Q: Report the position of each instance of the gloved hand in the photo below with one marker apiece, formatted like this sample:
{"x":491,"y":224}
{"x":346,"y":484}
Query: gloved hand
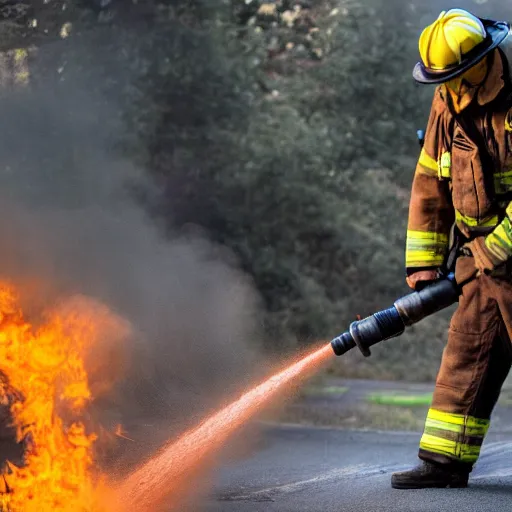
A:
{"x":421,"y":276}
{"x":485,"y":261}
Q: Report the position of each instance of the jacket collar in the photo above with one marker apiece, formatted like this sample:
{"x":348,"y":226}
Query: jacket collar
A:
{"x":494,"y":82}
{"x":488,"y":91}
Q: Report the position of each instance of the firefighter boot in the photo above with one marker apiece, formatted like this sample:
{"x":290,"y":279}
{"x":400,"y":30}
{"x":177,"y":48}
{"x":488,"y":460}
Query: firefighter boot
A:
{"x":428,"y":474}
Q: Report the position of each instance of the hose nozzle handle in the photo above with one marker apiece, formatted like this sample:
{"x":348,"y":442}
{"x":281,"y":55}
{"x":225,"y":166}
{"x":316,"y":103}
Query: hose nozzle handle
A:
{"x":392,"y":322}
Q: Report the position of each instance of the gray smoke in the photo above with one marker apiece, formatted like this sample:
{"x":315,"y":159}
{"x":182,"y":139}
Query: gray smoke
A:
{"x":69,"y":225}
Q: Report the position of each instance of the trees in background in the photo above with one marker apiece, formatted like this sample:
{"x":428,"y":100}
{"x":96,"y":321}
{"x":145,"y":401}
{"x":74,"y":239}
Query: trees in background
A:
{"x":285,"y":131}
{"x":288,"y":134}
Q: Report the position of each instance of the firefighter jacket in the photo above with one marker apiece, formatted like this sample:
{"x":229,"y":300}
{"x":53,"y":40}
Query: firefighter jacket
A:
{"x":464,"y":173}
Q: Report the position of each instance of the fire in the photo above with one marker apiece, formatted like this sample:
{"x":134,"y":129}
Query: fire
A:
{"x":46,"y":385}
{"x":46,"y":380}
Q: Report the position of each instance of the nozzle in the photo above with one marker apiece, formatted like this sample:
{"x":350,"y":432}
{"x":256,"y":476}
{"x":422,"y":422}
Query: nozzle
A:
{"x":392,"y":322}
{"x":369,"y":331}
{"x":343,"y":343}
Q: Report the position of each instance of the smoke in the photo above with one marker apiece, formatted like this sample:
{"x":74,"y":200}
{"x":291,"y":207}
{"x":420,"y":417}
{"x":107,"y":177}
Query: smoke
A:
{"x":69,"y":225}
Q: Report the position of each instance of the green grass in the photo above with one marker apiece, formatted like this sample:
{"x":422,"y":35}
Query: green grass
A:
{"x":325,"y":390}
{"x":400,"y":400}
{"x":362,"y":416}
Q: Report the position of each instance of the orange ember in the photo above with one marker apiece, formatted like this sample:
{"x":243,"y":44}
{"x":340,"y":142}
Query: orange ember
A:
{"x":45,"y":384}
{"x":120,"y":432}
{"x":167,"y":474}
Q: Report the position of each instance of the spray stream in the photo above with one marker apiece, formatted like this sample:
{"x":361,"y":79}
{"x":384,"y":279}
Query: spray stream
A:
{"x":166,"y":475}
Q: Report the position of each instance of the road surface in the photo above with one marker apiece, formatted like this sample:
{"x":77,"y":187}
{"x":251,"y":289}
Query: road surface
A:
{"x":317,"y":469}
{"x":324,"y":470}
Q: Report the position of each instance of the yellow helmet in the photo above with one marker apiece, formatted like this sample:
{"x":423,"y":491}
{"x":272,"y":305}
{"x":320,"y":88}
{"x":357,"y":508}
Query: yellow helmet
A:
{"x":454,"y":43}
{"x":451,"y":36}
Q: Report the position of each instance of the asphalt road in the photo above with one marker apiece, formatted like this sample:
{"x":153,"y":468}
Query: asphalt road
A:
{"x":318,"y":469}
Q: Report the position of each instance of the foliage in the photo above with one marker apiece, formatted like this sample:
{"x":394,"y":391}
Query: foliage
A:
{"x":284,"y":130}
{"x":285,"y":169}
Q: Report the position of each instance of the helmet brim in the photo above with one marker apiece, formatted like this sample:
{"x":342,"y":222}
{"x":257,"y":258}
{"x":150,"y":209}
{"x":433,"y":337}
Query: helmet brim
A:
{"x":497,"y":32}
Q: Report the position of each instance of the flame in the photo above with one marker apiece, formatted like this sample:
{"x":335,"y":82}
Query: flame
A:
{"x":45,"y":382}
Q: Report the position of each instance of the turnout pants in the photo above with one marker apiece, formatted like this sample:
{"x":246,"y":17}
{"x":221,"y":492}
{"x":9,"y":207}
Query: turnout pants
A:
{"x":475,"y":363}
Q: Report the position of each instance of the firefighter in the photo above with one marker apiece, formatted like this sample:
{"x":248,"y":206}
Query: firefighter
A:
{"x":461,"y":206}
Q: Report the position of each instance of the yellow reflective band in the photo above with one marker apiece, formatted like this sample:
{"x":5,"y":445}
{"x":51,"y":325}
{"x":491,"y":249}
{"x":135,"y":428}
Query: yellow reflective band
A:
{"x":499,"y":242}
{"x":442,"y":425}
{"x":428,"y":164}
{"x":438,"y":444}
{"x":457,"y":423}
{"x":445,"y":166}
{"x":488,"y":222}
{"x":454,"y":435}
{"x":425,"y":248}
{"x":463,"y":452}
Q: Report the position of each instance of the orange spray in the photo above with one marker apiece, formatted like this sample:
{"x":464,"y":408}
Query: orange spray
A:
{"x":166,"y":476}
